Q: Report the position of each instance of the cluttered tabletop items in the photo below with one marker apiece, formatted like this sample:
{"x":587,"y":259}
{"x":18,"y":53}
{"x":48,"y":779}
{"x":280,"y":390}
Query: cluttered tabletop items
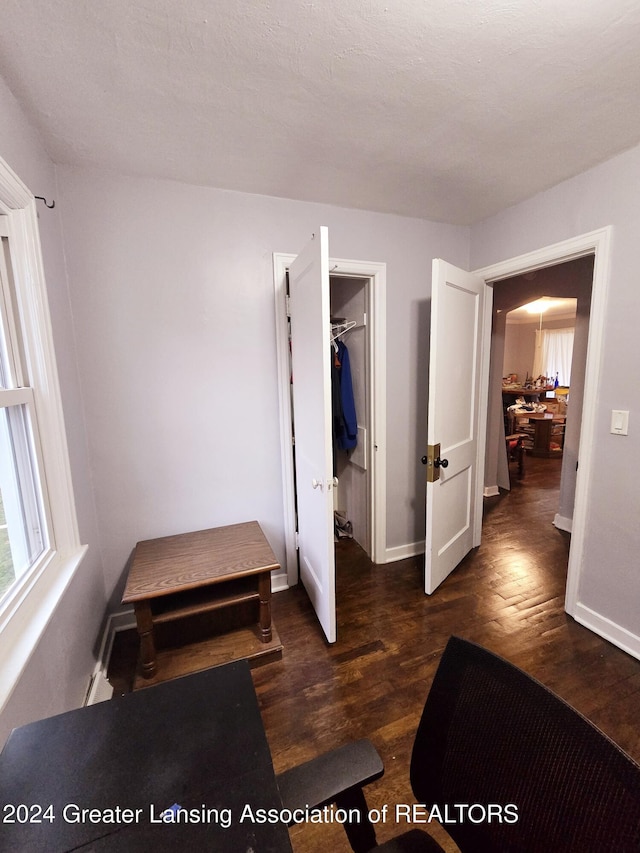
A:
{"x":536,"y":400}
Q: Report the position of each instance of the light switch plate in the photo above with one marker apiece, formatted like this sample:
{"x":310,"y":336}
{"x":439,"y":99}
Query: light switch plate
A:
{"x":619,"y":422}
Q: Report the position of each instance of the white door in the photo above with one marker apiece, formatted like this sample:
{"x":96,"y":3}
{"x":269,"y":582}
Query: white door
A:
{"x":311,"y":372}
{"x":454,"y":486}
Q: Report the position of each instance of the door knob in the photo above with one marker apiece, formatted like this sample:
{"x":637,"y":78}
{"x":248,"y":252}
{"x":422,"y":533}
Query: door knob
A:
{"x":440,"y":463}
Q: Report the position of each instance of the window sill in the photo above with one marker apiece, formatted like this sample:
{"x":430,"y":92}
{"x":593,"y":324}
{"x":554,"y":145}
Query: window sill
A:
{"x":25,"y":618}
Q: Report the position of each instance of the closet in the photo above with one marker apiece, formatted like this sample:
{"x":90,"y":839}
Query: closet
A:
{"x":352,"y":495}
{"x":311,"y":288}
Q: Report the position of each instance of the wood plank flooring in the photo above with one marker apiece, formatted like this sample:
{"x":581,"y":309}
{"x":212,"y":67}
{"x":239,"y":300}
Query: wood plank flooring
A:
{"x":507,"y":595}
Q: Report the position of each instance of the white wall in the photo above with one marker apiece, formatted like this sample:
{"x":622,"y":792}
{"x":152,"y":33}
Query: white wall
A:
{"x":57,"y":675}
{"x":173,"y":300}
{"x":609,"y":589}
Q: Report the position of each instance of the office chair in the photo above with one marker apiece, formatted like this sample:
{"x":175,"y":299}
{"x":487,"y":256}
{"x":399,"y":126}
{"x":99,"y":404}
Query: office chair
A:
{"x":508,"y":765}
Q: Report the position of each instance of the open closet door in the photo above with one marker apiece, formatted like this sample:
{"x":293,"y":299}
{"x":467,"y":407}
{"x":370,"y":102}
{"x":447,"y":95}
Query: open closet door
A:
{"x":454,"y":487}
{"x":312,"y":423}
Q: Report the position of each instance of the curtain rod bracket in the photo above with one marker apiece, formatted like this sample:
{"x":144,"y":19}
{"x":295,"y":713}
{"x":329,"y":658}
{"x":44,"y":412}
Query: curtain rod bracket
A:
{"x":46,"y":204}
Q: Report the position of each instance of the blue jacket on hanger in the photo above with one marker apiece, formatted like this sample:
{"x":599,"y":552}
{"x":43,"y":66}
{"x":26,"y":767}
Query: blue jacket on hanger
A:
{"x":347,"y":429}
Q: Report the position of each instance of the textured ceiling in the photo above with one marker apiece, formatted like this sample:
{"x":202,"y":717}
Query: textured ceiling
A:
{"x":449,"y":109}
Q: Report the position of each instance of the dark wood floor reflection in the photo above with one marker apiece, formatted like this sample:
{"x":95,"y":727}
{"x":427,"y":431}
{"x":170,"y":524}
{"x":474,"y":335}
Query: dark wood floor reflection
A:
{"x":507,"y":595}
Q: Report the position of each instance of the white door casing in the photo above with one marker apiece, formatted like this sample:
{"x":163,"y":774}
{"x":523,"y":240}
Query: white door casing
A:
{"x":597,"y":243}
{"x":455,"y":412}
{"x":311,"y":390}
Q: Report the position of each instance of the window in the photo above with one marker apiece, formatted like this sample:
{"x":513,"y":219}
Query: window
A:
{"x":39,"y":543}
{"x":23,"y":520}
{"x":553,"y":354}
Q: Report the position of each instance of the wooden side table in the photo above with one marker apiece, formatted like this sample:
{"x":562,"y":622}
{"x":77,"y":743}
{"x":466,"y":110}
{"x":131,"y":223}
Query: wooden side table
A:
{"x":176,"y":577}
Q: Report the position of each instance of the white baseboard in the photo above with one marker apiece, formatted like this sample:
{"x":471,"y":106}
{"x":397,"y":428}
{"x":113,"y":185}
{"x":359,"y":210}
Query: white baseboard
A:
{"x":563,"y":523}
{"x":402,"y":552}
{"x":279,"y":581}
{"x":490,"y":491}
{"x":390,"y":555}
{"x":99,"y":688}
{"x":619,"y":636}
{"x":123,"y":620}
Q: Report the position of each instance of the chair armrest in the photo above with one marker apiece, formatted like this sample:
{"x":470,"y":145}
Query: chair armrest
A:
{"x":323,"y":779}
{"x":337,"y":777}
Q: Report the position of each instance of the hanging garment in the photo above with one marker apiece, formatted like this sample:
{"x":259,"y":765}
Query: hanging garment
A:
{"x":345,"y":422}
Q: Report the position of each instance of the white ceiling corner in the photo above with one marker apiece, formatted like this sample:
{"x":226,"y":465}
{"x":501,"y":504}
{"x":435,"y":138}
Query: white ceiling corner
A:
{"x":448,"y":110}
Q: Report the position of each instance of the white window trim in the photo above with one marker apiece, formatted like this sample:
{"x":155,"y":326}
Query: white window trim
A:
{"x":33,"y":601}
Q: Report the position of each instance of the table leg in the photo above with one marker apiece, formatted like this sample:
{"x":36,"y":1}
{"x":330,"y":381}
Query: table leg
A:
{"x":144,"y":624}
{"x":264,"y":591}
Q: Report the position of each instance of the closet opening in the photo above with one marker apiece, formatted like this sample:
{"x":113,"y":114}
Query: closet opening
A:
{"x":351,"y":371}
{"x":356,"y":301}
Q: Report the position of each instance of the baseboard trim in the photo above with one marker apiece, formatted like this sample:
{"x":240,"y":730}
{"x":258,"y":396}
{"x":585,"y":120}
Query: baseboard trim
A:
{"x":608,"y":630}
{"x":403,"y":552}
{"x":99,"y":688}
{"x":279,"y":582}
{"x":490,"y":491}
{"x":123,"y":620}
{"x":563,"y":523}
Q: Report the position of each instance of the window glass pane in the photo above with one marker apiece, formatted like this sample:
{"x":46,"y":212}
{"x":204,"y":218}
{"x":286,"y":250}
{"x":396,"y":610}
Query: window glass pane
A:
{"x":5,"y":315}
{"x":21,"y":529}
{"x":4,"y":357}
{"x":7,"y":573}
{"x":4,"y":379}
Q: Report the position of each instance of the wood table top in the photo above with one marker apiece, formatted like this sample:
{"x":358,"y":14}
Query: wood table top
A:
{"x":201,"y":558}
{"x":540,"y":416}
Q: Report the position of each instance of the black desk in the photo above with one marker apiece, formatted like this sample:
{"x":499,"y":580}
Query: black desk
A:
{"x":197,"y":742}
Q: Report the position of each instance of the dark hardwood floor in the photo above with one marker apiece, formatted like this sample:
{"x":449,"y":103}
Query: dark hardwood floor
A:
{"x":507,"y":595}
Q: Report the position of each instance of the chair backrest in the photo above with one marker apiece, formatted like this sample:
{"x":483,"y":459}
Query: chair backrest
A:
{"x":509,"y":766}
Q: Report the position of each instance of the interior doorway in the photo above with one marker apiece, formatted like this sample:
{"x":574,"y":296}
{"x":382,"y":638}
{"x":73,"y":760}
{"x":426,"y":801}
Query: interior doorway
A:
{"x":596,"y":244}
{"x":570,"y":280}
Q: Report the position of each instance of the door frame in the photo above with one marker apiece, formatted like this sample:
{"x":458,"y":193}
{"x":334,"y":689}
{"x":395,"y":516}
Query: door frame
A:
{"x":598,"y":244}
{"x":376,"y":275}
